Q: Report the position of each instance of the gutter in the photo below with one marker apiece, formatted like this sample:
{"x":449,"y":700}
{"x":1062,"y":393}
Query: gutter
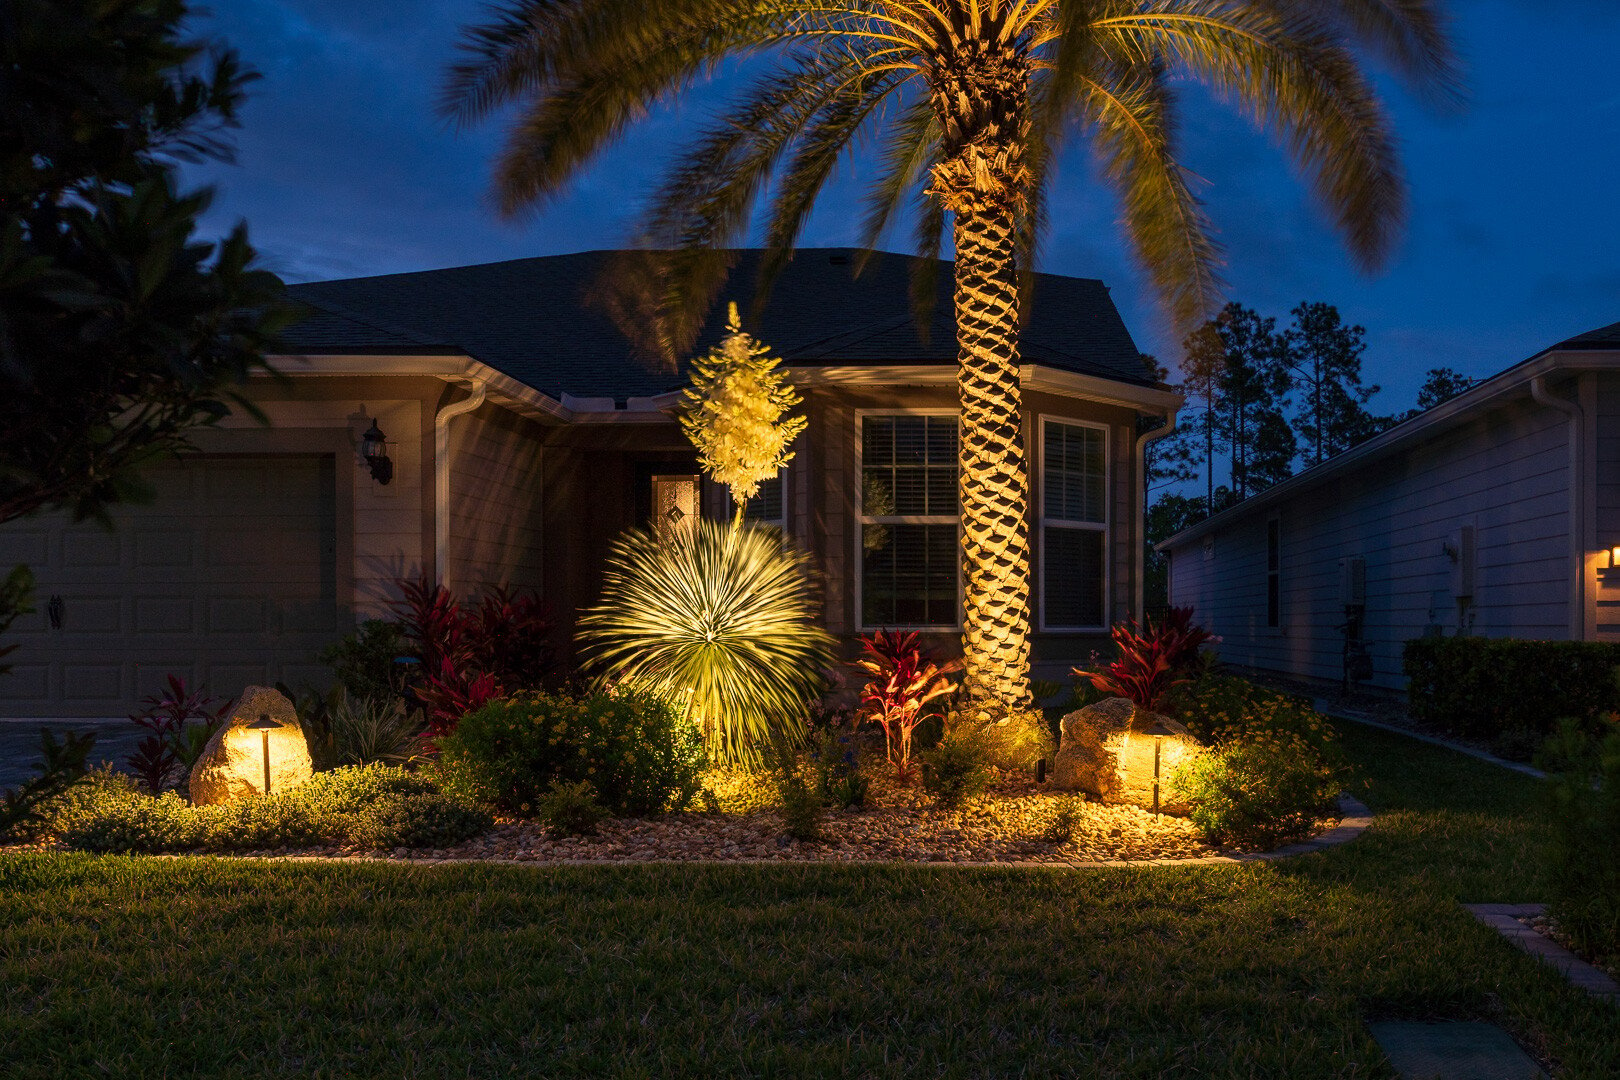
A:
{"x":1577,"y":504}
{"x":1139,"y":557}
{"x":441,"y":473}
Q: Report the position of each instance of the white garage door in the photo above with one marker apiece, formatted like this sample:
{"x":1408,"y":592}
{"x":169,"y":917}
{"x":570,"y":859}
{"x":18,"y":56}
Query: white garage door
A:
{"x":228,"y":578}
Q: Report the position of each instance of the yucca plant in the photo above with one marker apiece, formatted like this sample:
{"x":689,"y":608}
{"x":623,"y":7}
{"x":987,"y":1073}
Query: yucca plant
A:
{"x":719,"y":619}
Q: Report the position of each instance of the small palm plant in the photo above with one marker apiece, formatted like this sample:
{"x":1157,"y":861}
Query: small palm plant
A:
{"x":719,"y":618}
{"x":904,"y":680}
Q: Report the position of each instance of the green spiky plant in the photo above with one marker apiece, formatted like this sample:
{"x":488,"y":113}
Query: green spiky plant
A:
{"x":719,"y":618}
{"x":968,"y":103}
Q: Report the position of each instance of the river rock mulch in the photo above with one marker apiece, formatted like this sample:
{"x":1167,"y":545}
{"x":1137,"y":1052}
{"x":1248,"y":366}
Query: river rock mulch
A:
{"x":1548,"y":927}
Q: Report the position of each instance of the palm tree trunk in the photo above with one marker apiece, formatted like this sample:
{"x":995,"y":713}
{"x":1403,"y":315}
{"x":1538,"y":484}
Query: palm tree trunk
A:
{"x":994,"y":480}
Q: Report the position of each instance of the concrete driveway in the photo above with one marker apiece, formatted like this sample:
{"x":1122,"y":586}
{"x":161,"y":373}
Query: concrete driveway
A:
{"x":19,"y":744}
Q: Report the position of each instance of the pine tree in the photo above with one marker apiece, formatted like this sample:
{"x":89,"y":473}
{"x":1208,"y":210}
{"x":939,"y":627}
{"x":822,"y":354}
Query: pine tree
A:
{"x":1325,"y":356}
{"x":1254,"y":386}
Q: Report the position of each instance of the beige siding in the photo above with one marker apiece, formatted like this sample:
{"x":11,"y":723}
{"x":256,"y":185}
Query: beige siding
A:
{"x":1506,"y":474}
{"x":496,"y":493}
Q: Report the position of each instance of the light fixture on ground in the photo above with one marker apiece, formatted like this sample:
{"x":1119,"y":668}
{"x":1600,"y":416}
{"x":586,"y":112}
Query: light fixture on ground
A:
{"x":374,"y":448}
{"x":264,"y":726}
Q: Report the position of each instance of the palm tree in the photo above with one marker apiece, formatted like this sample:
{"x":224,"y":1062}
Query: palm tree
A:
{"x":968,"y":102}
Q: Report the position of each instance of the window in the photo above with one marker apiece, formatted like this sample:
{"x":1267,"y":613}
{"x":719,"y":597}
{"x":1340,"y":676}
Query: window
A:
{"x":767,"y":507}
{"x":909,"y":547}
{"x":1273,"y":573}
{"x":1074,"y":524}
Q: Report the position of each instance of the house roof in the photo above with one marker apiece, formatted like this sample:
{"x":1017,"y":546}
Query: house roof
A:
{"x":1514,"y":382}
{"x":532,"y":320}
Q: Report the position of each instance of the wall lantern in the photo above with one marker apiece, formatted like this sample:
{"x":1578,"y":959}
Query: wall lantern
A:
{"x":264,"y":726}
{"x":1614,"y":557}
{"x":374,"y":448}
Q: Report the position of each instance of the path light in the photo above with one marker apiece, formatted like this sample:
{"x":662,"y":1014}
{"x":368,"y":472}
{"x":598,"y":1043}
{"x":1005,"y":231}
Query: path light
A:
{"x":1158,"y":729}
{"x":264,"y":726}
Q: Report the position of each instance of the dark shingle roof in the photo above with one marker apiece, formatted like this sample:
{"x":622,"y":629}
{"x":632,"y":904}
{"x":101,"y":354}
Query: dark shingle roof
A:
{"x":1604,"y":337}
{"x":529,"y":318}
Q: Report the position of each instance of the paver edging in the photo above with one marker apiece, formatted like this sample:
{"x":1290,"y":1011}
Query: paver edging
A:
{"x":1504,"y":919}
{"x":1354,"y":820}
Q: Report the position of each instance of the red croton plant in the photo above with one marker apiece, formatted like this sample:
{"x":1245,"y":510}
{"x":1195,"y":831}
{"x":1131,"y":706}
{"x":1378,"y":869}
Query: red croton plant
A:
{"x":904,"y":680}
{"x":1152,"y":659}
{"x":470,"y":656}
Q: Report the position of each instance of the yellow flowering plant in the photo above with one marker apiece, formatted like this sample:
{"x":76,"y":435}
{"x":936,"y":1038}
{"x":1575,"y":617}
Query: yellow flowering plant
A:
{"x":736,"y":413}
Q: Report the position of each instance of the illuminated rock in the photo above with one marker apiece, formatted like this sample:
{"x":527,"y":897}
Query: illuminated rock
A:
{"x":232,"y":764}
{"x":1108,"y":751}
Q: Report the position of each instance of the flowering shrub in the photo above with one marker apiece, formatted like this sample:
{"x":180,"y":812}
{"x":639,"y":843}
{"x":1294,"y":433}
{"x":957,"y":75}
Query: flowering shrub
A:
{"x":1275,"y":766}
{"x":636,"y":751}
{"x":904,"y":681}
{"x":1264,"y":789}
{"x":735,"y":413}
{"x":1151,"y":658}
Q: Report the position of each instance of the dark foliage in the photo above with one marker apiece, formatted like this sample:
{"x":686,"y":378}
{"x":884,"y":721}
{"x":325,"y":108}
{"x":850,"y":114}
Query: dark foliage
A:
{"x":1584,"y":788}
{"x":1507,"y":690}
{"x":1151,"y":658}
{"x":61,"y":766}
{"x":369,"y":661}
{"x":181,"y":722}
{"x":16,"y":600}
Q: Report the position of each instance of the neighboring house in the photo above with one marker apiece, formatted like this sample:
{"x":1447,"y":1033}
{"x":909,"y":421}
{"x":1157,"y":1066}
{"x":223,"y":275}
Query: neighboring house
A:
{"x":1496,"y":513}
{"x":524,"y":438}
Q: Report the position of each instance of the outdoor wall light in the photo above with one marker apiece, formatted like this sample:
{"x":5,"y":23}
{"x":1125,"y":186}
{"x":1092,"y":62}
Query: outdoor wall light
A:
{"x":374,"y":448}
{"x":264,"y":726}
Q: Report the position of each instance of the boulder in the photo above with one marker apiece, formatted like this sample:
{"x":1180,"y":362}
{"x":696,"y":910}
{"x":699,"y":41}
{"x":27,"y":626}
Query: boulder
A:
{"x":232,"y":764}
{"x":1107,"y":750}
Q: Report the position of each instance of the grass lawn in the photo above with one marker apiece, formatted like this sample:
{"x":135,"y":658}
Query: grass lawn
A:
{"x":208,"y":967}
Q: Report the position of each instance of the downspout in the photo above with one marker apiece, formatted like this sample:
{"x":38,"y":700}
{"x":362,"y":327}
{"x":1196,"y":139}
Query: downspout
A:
{"x":1577,"y":504}
{"x":441,"y":474}
{"x":1142,"y":440}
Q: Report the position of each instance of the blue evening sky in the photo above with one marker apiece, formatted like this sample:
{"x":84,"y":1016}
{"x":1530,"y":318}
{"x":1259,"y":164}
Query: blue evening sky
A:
{"x":344,"y":170}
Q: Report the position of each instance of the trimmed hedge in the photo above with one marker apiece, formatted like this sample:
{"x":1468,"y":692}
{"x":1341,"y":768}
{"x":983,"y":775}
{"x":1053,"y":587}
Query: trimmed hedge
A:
{"x":1496,"y":688}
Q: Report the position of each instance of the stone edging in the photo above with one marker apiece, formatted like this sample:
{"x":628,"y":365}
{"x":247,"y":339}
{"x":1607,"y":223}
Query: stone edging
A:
{"x":1504,"y":919}
{"x":1354,"y":820}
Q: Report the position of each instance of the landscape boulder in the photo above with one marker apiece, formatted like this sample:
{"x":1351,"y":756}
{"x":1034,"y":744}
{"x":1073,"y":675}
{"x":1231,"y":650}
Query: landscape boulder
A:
{"x":1107,"y":750}
{"x":232,"y":764}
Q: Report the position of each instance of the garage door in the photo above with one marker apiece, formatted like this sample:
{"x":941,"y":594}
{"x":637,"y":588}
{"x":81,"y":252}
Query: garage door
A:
{"x":228,"y":578}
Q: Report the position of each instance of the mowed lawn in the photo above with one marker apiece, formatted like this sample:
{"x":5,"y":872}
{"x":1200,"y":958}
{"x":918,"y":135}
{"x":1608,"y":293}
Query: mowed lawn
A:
{"x":209,"y":967}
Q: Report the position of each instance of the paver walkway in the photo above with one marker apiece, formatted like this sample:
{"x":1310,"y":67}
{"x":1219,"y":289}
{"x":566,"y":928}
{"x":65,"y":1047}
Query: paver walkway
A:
{"x":1453,"y":1051}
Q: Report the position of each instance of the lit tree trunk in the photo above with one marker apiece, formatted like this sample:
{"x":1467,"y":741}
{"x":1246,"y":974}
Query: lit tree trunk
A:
{"x":994,"y":480}
{"x":980,"y":96}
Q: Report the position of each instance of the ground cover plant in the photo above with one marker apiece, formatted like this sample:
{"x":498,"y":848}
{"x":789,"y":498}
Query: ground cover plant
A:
{"x":373,"y":969}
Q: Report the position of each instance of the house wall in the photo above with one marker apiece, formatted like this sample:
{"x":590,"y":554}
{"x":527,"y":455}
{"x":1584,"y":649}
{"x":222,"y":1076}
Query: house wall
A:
{"x":497,"y":528}
{"x":1506,"y":473}
{"x":1604,"y":477}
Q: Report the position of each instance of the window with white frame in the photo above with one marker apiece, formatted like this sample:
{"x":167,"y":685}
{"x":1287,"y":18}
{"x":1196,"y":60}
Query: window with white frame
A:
{"x":1074,"y":524}
{"x":909,"y":549}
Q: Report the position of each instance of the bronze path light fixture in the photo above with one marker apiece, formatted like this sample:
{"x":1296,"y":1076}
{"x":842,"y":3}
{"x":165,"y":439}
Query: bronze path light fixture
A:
{"x":264,"y":726}
{"x":374,"y":448}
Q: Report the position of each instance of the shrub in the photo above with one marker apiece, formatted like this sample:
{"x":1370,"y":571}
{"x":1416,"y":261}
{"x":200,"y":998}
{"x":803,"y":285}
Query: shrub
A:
{"x":719,"y":617}
{"x":630,"y":745}
{"x":374,"y":806}
{"x":570,"y":809}
{"x":1219,"y":708}
{"x":367,"y":662}
{"x":1493,"y":688}
{"x":904,"y":680}
{"x":1065,"y":821}
{"x":361,"y":731}
{"x":472,"y":655}
{"x":957,"y":768}
{"x":1152,"y":658}
{"x":61,"y":767}
{"x":1262,"y":789}
{"x":835,"y":758}
{"x":181,"y":722}
{"x":1010,"y":739}
{"x":1584,"y":789}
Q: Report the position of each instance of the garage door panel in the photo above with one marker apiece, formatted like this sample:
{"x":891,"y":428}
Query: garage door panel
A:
{"x":164,"y":548}
{"x":92,"y":682}
{"x":160,"y":615}
{"x":228,"y":578}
